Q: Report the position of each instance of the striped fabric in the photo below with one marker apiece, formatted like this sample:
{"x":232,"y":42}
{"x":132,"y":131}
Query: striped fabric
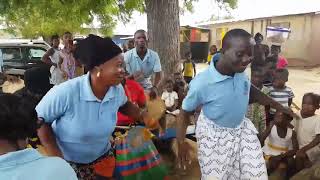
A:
{"x":229,"y":153}
{"x":282,"y":96}
{"x":140,"y":162}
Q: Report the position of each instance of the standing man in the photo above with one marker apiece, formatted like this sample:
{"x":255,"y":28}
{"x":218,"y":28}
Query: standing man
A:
{"x":228,"y":147}
{"x":142,"y":63}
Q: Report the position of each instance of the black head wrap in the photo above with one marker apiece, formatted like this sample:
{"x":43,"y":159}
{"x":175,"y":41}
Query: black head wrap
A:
{"x":37,"y":81}
{"x":94,"y":51}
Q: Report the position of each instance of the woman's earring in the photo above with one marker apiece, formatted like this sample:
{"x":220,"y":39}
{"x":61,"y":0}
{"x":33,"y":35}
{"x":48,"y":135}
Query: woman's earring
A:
{"x":98,"y":74}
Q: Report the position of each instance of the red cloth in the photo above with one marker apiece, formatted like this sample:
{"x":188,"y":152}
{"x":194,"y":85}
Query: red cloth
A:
{"x":282,"y":62}
{"x":135,"y":94}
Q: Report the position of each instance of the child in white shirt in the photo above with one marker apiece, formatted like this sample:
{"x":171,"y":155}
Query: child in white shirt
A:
{"x":308,"y":132}
{"x":170,"y":98}
{"x":280,"y":144}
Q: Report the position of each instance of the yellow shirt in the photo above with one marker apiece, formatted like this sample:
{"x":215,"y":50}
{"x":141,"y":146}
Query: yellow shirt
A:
{"x":209,"y":58}
{"x":188,"y":69}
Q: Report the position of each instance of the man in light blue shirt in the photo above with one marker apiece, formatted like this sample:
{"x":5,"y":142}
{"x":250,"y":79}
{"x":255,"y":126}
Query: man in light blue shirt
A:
{"x":208,"y":88}
{"x":227,"y":141}
{"x":142,"y":63}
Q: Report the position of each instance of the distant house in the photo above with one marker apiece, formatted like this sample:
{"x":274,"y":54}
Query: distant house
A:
{"x":302,"y":46}
{"x":195,"y":40}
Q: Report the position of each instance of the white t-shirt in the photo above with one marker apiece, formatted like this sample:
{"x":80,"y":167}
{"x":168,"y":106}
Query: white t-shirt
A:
{"x":275,"y":145}
{"x":307,"y":129}
{"x":169,"y":98}
{"x":56,"y":73}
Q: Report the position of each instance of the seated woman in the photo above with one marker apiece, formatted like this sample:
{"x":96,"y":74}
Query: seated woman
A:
{"x":280,"y":144}
{"x":18,"y":120}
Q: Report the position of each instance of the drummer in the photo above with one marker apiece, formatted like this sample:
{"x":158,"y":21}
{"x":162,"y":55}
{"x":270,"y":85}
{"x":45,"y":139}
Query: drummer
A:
{"x":142,"y":63}
{"x":80,"y":115}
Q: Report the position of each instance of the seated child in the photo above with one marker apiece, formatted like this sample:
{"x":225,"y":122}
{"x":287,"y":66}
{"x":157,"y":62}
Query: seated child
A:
{"x":189,"y":68}
{"x":279,"y":143}
{"x":180,"y":87}
{"x":279,"y":91}
{"x":308,"y":132}
{"x":170,"y":98}
{"x":18,"y":120}
{"x":256,"y":112}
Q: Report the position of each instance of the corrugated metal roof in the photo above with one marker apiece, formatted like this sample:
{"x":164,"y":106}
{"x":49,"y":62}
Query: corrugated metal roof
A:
{"x":205,"y":24}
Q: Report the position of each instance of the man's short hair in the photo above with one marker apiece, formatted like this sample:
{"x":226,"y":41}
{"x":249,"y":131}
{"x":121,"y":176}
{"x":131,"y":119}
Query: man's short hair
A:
{"x":139,"y":31}
{"x":234,"y":33}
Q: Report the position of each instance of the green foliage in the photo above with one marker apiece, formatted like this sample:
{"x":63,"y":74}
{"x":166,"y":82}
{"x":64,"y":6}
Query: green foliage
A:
{"x":32,"y":18}
{"x":188,"y":4}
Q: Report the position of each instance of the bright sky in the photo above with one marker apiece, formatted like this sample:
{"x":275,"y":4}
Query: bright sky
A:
{"x":204,"y":9}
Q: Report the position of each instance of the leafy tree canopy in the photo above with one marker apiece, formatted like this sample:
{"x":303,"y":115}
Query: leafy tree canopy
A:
{"x":34,"y":18}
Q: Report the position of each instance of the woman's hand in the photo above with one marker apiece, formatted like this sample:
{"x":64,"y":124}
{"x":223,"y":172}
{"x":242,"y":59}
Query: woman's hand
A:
{"x":183,"y":155}
{"x":48,"y":140}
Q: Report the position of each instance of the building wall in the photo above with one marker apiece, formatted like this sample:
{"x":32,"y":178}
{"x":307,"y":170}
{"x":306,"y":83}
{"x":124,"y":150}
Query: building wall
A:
{"x":216,"y":35}
{"x":299,"y":49}
{"x":314,"y":45}
{"x":295,"y":48}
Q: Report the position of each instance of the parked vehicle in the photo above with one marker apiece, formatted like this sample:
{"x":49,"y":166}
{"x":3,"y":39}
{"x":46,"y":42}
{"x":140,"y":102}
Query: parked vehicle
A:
{"x":19,"y":56}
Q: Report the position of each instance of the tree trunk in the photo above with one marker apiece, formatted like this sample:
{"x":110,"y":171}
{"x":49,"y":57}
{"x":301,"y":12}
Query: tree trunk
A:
{"x":163,"y":31}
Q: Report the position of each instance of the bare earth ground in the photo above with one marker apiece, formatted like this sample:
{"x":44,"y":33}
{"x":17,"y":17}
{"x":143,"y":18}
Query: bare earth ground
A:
{"x":300,"y":80}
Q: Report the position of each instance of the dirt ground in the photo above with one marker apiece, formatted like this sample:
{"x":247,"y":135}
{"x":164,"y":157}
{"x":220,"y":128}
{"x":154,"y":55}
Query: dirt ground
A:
{"x":300,"y":80}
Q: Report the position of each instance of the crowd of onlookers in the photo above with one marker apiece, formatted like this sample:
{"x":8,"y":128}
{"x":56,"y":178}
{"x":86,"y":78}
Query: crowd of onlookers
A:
{"x":290,"y":144}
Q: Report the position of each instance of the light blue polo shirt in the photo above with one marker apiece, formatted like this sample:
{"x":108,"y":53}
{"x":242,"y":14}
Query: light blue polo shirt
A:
{"x":82,"y":123}
{"x":29,"y":164}
{"x":224,"y":99}
{"x":149,"y":65}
